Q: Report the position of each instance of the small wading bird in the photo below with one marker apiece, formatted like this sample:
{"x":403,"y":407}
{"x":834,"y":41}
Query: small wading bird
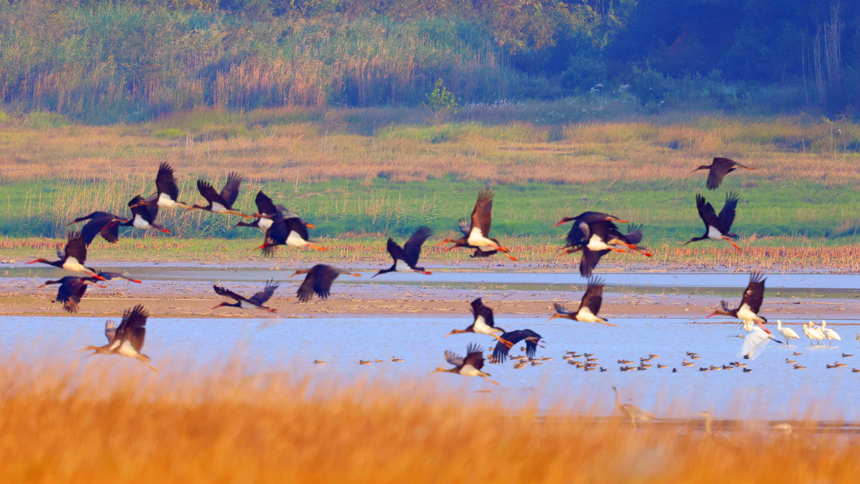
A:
{"x":73,"y":256}
{"x":291,"y":232}
{"x":254,"y":302}
{"x":318,"y":280}
{"x":786,"y":332}
{"x":469,"y":366}
{"x":717,"y":228}
{"x":221,"y":202}
{"x":588,"y":307}
{"x":406,"y":258}
{"x":483,"y":323}
{"x":72,"y":289}
{"x":479,"y":231}
{"x":750,"y":303}
{"x":127,"y":339}
{"x":719,"y":168}
{"x":500,"y":352}
{"x":631,"y":411}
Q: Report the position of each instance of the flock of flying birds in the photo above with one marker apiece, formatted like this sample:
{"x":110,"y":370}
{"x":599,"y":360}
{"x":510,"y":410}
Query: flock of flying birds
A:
{"x":594,"y":234}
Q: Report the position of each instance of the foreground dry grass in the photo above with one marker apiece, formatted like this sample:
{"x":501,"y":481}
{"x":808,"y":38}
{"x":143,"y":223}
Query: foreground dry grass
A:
{"x":60,"y":425}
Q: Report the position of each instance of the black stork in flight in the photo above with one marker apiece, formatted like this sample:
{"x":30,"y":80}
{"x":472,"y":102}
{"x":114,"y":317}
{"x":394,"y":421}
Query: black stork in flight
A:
{"x":589,"y":307}
{"x":143,"y":214}
{"x":292,"y":232}
{"x":127,"y":339}
{"x":717,"y":227}
{"x":71,"y":291}
{"x":580,"y":232}
{"x":221,"y":202}
{"x":603,"y":238}
{"x":750,"y":303}
{"x":500,"y":352}
{"x":167,"y":192}
{"x":482,"y":323}
{"x":479,"y":231}
{"x":100,"y":223}
{"x":117,"y":275}
{"x":469,"y":366}
{"x":266,"y":211}
{"x":318,"y":280}
{"x":406,"y":257}
{"x":254,"y":302}
{"x":719,"y":168}
{"x":73,"y":256}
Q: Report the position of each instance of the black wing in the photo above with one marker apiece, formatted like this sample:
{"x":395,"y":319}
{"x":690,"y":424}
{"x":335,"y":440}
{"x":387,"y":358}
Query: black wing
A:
{"x":228,"y":293}
{"x":76,"y":247}
{"x":133,"y":327}
{"x":275,"y":235}
{"x":754,"y":294}
{"x":71,"y":290}
{"x":500,"y":353}
{"x":296,"y":225}
{"x":478,"y":309}
{"x":727,"y":214}
{"x":265,"y":206}
{"x":708,"y":214}
{"x":261,"y":297}
{"x":165,"y":183}
{"x":593,"y":297}
{"x":147,"y":212}
{"x":317,"y":281}
{"x":474,"y":356}
{"x":720,"y":167}
{"x":634,"y":234}
{"x":101,"y":223}
{"x":589,"y":260}
{"x":209,"y":193}
{"x":231,"y":189}
{"x":395,"y":250}
{"x":412,"y":247}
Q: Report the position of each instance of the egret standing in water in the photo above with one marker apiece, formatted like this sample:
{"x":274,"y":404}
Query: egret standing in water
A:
{"x":631,"y":411}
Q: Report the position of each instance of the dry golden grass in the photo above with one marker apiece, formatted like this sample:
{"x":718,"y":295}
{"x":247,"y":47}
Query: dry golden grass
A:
{"x":129,"y":425}
{"x":263,"y":146}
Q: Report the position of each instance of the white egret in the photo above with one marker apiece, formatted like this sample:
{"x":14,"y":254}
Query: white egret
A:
{"x":829,"y":333}
{"x":786,"y":333}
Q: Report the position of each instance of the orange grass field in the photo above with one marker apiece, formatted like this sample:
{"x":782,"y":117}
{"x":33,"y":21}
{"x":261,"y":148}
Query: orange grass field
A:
{"x":88,"y":424}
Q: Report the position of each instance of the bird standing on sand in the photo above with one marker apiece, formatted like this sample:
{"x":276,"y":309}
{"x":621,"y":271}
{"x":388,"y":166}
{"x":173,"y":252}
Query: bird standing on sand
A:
{"x":72,"y":257}
{"x":717,"y":227}
{"x":469,"y":366}
{"x":127,"y":339}
{"x":719,"y":168}
{"x":72,"y":289}
{"x":479,"y":231}
{"x":254,"y":302}
{"x":588,"y":307}
{"x":631,"y":411}
{"x":406,"y":258}
{"x":318,"y":280}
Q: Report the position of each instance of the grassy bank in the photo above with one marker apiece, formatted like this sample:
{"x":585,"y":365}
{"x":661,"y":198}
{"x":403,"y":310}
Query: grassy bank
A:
{"x":227,"y":428}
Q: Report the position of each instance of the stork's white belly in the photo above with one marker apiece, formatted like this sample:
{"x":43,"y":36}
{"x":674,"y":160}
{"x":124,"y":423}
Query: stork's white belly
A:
{"x":402,"y":266}
{"x":296,"y":240}
{"x":140,"y":223}
{"x":595,"y":243}
{"x":481,"y":327}
{"x":477,"y":239}
{"x":469,"y":370}
{"x":586,"y":316}
{"x":218,"y":208}
{"x":264,"y":223}
{"x":72,"y":264}
{"x":746,"y":314}
{"x":714,"y":234}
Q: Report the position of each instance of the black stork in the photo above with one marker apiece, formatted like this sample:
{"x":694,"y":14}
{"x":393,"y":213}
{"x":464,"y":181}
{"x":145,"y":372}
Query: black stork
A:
{"x":483,"y":323}
{"x":254,"y":302}
{"x":143,"y":214}
{"x":465,"y":225}
{"x":100,"y":223}
{"x":479,"y":231}
{"x":167,"y":192}
{"x":406,"y":258}
{"x":589,"y":307}
{"x":117,"y":275}
{"x":291,"y":232}
{"x":719,"y":168}
{"x":604,"y":237}
{"x":469,"y":366}
{"x":72,"y":289}
{"x":750,"y":303}
{"x":717,"y":227}
{"x":73,"y":256}
{"x":127,"y":339}
{"x":580,"y":232}
{"x":266,"y":211}
{"x":500,"y":352}
{"x":318,"y":280}
{"x":221,"y":202}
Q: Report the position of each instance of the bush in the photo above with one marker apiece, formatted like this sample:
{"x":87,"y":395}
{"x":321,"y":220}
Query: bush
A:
{"x":583,"y":73}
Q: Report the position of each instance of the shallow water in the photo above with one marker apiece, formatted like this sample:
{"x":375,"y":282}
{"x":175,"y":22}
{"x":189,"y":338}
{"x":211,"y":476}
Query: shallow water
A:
{"x":772,"y":391}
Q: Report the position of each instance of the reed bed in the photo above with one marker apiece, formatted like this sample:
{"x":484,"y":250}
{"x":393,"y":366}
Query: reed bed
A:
{"x":61,"y":424}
